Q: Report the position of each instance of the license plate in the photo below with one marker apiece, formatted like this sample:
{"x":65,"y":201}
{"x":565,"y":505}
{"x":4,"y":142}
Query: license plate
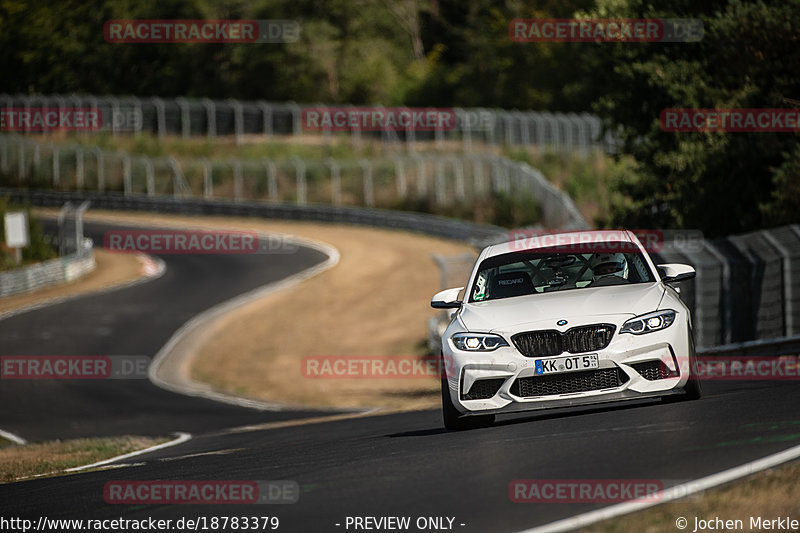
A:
{"x":570,"y":363}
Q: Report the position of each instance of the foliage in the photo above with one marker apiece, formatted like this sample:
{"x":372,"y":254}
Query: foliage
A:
{"x":38,"y":249}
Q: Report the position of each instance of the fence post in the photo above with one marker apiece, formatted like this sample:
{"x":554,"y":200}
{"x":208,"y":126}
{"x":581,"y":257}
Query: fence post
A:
{"x":272,"y":179}
{"x":4,"y":154}
{"x":422,"y":179}
{"x":21,"y":170}
{"x":458,"y":167}
{"x":211,"y":117}
{"x":479,"y":186}
{"x":161,"y":117}
{"x":236,"y":165}
{"x":400,"y":177}
{"x":465,"y":129}
{"x":238,"y":119}
{"x":101,"y":177}
{"x":336,"y":181}
{"x":300,"y":174}
{"x":37,"y":158}
{"x":150,"y":173}
{"x":266,"y":118}
{"x":411,"y":147}
{"x":179,"y":185}
{"x":524,"y":133}
{"x":127,"y":179}
{"x":186,"y":117}
{"x":56,"y":166}
{"x":295,"y":110}
{"x":79,"y":173}
{"x":369,"y":195}
{"x":438,"y":134}
{"x":441,"y":184}
{"x":208,"y":181}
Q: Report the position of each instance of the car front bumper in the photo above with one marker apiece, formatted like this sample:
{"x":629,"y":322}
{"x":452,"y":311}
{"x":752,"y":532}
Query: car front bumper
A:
{"x":624,"y":366}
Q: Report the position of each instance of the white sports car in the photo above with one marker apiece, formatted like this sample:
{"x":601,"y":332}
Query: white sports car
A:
{"x":569,"y":319}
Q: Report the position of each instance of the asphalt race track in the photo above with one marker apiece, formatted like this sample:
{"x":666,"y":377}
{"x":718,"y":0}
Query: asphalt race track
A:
{"x":132,"y":321}
{"x":390,"y":465}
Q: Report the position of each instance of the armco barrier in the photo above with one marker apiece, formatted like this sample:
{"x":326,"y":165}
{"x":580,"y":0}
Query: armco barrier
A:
{"x":418,"y":222}
{"x":50,"y":272}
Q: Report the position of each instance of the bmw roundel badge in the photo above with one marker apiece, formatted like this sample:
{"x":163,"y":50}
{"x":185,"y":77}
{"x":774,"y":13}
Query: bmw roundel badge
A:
{"x":561,"y":323}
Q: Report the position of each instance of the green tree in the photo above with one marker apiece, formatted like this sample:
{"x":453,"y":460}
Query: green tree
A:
{"x":719,"y":182}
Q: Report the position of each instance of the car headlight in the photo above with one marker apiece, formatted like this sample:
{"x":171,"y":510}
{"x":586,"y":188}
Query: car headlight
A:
{"x":650,"y":322}
{"x":478,"y":342}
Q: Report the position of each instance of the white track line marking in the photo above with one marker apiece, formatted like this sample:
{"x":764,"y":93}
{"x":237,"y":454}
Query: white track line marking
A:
{"x":181,"y":438}
{"x":16,"y":439}
{"x":670,"y":494}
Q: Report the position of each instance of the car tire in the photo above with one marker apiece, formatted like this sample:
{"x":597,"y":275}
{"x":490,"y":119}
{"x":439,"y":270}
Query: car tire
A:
{"x":455,"y":421}
{"x":692,"y":390}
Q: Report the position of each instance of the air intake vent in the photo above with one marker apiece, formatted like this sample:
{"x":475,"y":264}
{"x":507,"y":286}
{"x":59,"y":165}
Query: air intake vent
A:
{"x":483,"y":389}
{"x":607,"y":378}
{"x":579,"y":339}
{"x":653,"y":370}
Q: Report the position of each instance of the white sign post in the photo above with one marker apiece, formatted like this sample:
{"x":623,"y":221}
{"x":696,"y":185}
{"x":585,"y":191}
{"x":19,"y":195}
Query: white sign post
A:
{"x":17,"y":237}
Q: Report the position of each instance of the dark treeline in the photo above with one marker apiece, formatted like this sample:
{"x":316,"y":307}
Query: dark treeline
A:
{"x":456,"y":53}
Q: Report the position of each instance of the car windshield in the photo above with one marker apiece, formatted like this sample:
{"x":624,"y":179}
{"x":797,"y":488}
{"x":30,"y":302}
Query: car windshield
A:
{"x":533,"y":272}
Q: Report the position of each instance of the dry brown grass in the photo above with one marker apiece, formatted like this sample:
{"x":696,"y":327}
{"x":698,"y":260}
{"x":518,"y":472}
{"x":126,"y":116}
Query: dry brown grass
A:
{"x":770,"y":494}
{"x":53,"y":457}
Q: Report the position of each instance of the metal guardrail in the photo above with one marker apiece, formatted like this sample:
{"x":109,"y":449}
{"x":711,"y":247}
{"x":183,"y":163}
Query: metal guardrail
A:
{"x":747,"y":286}
{"x":442,"y":180}
{"x":559,"y":132}
{"x":50,"y":272}
{"x":417,"y":222}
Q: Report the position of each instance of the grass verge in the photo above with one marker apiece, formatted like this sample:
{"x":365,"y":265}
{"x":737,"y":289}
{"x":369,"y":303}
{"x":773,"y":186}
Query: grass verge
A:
{"x":54,"y":457}
{"x":770,"y":494}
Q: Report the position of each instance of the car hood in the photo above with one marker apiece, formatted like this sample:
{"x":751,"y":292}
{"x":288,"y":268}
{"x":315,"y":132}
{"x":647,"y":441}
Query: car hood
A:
{"x":577,"y":304}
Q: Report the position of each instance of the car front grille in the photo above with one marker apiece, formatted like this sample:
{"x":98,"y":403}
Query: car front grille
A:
{"x":589,"y":380}
{"x":653,"y":370}
{"x":483,"y":389}
{"x":579,"y":339}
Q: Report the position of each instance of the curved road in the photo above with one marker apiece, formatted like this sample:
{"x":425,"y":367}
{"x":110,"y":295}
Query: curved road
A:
{"x":137,"y":320}
{"x":391,"y":465}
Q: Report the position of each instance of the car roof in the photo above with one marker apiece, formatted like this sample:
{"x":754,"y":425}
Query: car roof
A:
{"x":529,"y":241}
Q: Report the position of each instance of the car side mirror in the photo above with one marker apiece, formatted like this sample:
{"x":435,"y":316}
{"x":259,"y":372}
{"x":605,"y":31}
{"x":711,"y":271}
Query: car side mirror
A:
{"x":447,"y":299}
{"x":674,"y":272}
